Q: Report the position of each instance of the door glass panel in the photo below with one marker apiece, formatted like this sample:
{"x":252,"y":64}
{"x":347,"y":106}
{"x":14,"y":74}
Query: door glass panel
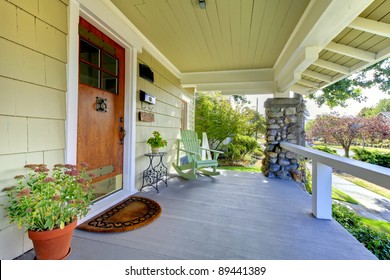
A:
{"x":89,"y":75}
{"x":89,"y":53}
{"x":110,"y":64}
{"x":110,"y":83}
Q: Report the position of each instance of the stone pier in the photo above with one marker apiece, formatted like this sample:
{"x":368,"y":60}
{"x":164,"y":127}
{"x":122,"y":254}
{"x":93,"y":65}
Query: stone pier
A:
{"x":285,"y":122}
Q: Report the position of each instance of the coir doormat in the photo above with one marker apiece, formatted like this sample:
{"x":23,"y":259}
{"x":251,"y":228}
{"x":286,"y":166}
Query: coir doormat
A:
{"x":132,"y":213}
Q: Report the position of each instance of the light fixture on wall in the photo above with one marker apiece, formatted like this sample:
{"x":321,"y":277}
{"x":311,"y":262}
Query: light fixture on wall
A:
{"x":202,"y":4}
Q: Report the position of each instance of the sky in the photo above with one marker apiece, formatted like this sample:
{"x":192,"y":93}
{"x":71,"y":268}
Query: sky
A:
{"x":373,"y":96}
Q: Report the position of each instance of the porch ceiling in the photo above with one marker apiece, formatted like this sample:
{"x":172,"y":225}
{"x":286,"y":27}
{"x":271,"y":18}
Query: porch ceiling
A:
{"x":262,"y":46}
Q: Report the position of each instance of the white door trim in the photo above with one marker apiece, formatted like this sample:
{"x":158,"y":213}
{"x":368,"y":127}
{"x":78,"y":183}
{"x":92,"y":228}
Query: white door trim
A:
{"x":75,"y":10}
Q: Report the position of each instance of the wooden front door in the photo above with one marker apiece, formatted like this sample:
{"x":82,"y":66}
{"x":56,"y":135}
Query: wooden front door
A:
{"x":100,"y":134}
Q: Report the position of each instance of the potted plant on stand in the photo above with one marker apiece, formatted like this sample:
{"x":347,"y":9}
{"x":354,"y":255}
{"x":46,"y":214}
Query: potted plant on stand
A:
{"x":156,"y":142}
{"x":48,"y":204}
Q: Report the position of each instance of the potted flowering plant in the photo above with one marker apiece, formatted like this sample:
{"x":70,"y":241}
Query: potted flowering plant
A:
{"x":156,"y":142}
{"x":47,"y":202}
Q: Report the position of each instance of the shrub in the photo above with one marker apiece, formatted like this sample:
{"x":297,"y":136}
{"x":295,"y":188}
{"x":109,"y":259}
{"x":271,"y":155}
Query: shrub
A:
{"x":382,"y":159}
{"x":258,"y":153}
{"x":376,"y":242}
{"x":241,"y":147}
{"x":326,"y":149}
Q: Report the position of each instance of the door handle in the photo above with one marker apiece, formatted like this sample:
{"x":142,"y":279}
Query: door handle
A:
{"x":122,"y":132}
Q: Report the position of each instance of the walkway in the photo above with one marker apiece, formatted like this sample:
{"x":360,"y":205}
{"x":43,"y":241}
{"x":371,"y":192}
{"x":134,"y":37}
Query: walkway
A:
{"x":234,"y":216}
{"x":371,"y":205}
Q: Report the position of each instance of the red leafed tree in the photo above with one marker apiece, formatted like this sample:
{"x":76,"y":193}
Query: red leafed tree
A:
{"x":340,"y":129}
{"x":374,"y":129}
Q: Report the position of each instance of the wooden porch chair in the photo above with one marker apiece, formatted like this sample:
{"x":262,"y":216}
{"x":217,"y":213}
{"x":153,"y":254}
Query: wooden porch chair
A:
{"x":191,"y":146}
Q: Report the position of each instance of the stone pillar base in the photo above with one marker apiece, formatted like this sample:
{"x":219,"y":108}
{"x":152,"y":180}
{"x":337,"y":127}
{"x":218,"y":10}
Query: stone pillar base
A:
{"x":285,"y":122}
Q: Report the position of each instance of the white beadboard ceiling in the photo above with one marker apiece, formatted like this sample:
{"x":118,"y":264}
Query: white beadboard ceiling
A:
{"x":263,"y":46}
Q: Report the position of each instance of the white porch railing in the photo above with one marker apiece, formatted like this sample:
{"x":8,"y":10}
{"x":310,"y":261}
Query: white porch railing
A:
{"x":322,"y":175}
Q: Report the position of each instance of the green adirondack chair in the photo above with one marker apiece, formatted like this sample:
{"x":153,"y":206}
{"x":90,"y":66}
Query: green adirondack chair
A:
{"x":191,"y":146}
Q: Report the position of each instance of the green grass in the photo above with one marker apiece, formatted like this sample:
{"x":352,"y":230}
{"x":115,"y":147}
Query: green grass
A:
{"x":341,"y":196}
{"x":371,"y":149}
{"x":367,"y":185}
{"x":377,"y":225}
{"x":241,"y":168}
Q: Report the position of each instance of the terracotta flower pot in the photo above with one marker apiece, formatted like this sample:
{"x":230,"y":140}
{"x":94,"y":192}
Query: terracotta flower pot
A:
{"x":52,"y":244}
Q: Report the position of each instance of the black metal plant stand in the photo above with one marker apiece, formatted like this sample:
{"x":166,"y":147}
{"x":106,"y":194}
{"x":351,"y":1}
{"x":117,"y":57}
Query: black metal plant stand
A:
{"x":155,"y":173}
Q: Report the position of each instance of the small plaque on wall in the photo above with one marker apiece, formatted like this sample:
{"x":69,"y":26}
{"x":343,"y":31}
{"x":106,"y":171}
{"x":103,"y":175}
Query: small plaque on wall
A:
{"x":146,"y":117}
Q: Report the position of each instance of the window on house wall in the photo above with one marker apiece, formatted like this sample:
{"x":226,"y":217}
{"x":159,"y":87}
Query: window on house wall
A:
{"x":184,"y":115}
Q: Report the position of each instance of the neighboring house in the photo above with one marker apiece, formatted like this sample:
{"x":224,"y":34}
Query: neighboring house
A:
{"x":70,"y":85}
{"x":384,"y":116}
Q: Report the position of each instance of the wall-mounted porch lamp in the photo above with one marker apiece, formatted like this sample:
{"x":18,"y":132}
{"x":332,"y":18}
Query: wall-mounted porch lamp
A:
{"x":202,"y":4}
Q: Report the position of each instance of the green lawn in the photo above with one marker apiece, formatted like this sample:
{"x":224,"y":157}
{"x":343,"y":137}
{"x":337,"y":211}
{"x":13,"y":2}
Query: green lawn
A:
{"x":380,"y":150}
{"x":377,"y":225}
{"x":241,"y":168}
{"x":367,"y":185}
{"x":341,"y":196}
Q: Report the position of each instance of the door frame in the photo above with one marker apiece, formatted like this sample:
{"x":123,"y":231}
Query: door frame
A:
{"x":76,"y":10}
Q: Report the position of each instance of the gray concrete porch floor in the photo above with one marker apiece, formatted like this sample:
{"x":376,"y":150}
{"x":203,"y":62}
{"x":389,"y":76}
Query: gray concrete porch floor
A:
{"x":232,"y":216}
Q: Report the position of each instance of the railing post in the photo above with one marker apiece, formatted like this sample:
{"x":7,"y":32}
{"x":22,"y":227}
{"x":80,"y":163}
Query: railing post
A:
{"x":322,"y":191}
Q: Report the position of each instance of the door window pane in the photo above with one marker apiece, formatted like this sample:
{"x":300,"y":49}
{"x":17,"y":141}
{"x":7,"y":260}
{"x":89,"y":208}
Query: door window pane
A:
{"x":89,"y":53}
{"x":110,"y":83}
{"x":110,"y":64}
{"x":89,"y":75}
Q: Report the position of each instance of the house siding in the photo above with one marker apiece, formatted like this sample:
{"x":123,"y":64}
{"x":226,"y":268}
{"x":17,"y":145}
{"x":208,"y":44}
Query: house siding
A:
{"x":384,"y":116}
{"x":33,"y":61}
{"x":167,"y":113}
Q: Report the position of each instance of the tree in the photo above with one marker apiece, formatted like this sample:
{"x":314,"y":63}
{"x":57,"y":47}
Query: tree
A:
{"x":351,"y":87}
{"x":308,"y":127}
{"x":217,"y":117}
{"x":382,"y":106}
{"x":340,"y":129}
{"x":375,"y":129}
{"x":256,"y":123}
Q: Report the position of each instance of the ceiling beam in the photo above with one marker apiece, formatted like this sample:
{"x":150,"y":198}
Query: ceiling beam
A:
{"x":314,"y":32}
{"x":318,"y":76}
{"x":371,"y":26}
{"x":229,"y":76}
{"x":239,"y":87}
{"x":383,"y":54}
{"x":295,"y":66}
{"x":309,"y":83}
{"x":237,"y":81}
{"x":301,"y":89}
{"x":332,"y":66}
{"x":244,"y":92}
{"x":351,"y":52}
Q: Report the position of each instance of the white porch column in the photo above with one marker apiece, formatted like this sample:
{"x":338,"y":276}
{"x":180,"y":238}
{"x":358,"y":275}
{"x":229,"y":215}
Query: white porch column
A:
{"x":322,"y":191}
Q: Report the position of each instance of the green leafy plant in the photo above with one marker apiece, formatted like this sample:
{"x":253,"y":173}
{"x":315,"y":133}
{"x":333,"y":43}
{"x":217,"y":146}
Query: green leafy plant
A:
{"x":373,"y":157}
{"x":156,"y":141}
{"x":241,"y":148}
{"x":377,"y":242}
{"x":41,"y":201}
{"x":326,"y":149}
